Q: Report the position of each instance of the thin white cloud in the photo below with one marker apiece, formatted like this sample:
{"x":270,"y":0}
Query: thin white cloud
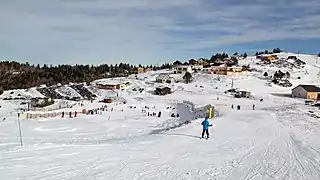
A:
{"x":144,"y":31}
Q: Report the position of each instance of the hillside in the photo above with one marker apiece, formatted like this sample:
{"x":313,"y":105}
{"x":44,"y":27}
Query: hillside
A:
{"x":272,"y":135}
{"x":16,"y":75}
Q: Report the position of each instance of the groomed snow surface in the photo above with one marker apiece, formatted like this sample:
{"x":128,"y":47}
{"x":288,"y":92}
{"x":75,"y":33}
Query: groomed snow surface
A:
{"x":277,"y":140}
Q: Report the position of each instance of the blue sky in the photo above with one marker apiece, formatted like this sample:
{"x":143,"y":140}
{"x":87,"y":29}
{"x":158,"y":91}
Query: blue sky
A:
{"x":152,"y":31}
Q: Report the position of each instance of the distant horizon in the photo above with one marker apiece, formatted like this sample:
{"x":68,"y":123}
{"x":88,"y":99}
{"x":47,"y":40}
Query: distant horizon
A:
{"x":164,"y":62}
{"x":144,"y":32}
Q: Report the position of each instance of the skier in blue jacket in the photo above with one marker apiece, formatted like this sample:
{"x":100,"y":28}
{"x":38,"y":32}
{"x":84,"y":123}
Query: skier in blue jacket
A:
{"x":205,"y":124}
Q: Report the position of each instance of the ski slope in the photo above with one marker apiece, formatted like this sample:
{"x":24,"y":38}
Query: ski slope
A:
{"x":277,"y":140}
{"x":68,"y":92}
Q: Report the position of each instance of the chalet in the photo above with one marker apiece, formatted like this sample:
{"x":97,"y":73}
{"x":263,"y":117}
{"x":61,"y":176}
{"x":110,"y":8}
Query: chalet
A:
{"x":162,"y":90}
{"x":292,"y":57}
{"x":234,"y":71}
{"x":306,"y":91}
{"x":139,"y":70}
{"x":221,"y":70}
{"x":238,"y":93}
{"x":192,"y":62}
{"x":111,"y":84}
{"x":148,"y":69}
{"x":108,"y":86}
{"x":269,"y":58}
{"x":206,"y":70}
{"x":106,"y":101}
{"x":196,"y":67}
{"x":244,"y":93}
{"x":180,"y":69}
{"x":164,"y":78}
{"x":224,"y":70}
{"x":177,"y":63}
{"x":203,"y":62}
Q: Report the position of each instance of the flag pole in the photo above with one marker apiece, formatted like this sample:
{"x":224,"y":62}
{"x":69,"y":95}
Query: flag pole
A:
{"x":20,"y":130}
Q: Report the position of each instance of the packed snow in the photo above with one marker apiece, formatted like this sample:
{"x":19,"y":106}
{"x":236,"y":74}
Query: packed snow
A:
{"x":278,"y":139}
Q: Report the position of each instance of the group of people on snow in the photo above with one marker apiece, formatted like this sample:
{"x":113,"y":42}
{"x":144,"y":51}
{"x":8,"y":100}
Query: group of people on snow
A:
{"x":239,"y":107}
{"x":70,"y":114}
{"x":145,"y":108}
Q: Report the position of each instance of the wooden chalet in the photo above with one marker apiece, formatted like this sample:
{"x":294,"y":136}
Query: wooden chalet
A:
{"x":162,"y":90}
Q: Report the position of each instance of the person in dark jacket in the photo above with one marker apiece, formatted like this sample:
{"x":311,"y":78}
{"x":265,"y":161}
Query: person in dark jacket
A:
{"x":205,"y":127}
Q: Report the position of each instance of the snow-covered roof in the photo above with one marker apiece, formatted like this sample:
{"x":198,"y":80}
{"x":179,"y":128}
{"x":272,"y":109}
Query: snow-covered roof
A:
{"x":163,"y":76}
{"x":196,"y":66}
{"x":162,"y":86}
{"x":110,"y":82}
{"x":182,"y":66}
{"x":243,"y":90}
{"x":291,"y":61}
{"x":309,"y":88}
{"x":234,"y":68}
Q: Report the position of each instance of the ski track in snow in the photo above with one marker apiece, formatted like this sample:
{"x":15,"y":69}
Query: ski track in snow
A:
{"x":251,"y":156}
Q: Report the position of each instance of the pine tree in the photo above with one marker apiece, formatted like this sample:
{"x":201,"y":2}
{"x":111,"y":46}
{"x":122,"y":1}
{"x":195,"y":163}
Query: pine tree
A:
{"x":276,"y":75}
{"x":265,"y":74}
{"x":187,"y":76}
{"x":287,"y":75}
{"x":277,"y":50}
{"x":235,"y":60}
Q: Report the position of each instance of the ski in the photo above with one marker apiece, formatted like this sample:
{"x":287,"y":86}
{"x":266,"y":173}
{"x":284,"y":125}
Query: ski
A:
{"x":204,"y":138}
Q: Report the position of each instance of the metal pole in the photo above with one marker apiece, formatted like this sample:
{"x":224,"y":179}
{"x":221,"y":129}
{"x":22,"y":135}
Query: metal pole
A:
{"x":20,"y":129}
{"x":231,"y":83}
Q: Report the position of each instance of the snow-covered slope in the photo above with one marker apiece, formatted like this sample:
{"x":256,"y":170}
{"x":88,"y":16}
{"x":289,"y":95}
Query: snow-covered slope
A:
{"x":276,"y":140}
{"x":309,"y":74}
{"x":67,"y":91}
{"x":21,"y":93}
